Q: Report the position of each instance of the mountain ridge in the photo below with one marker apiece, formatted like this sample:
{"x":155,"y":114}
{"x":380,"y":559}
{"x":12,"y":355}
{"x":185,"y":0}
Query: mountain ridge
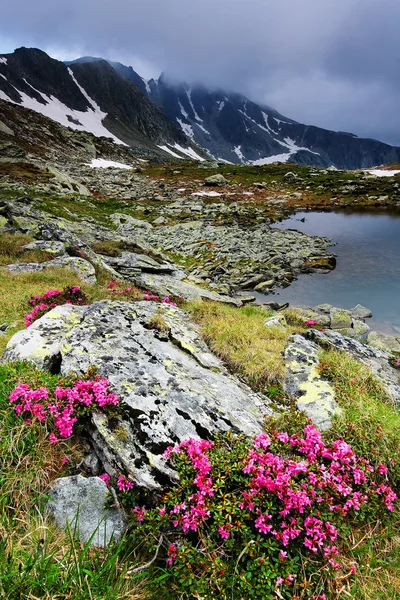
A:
{"x":161,"y":119}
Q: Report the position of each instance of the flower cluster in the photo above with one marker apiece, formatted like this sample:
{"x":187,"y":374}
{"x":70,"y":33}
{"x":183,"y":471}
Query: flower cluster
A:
{"x":68,"y":404}
{"x":171,"y":300}
{"x":263,"y":504}
{"x":52,"y":298}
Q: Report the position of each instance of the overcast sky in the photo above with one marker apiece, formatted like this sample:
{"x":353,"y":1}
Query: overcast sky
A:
{"x":332,"y":63}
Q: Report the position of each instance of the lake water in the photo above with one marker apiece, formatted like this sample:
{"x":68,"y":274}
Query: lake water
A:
{"x":368,"y":265}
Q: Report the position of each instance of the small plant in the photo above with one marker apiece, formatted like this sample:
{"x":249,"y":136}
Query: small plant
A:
{"x":261,"y":519}
{"x":63,"y":407}
{"x":52,"y":298}
{"x":159,"y":323}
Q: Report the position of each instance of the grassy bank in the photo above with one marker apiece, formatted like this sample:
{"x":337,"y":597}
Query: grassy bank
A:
{"x":37,"y":561}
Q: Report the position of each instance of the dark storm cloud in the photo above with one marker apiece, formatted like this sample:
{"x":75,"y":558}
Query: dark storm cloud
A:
{"x":332,"y":63}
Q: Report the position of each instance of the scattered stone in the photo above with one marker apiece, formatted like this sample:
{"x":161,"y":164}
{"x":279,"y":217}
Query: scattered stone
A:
{"x":290,"y":177}
{"x":79,"y":504}
{"x":324,"y":308}
{"x":276,"y":321}
{"x":265,"y":286}
{"x":360,"y":312}
{"x":314,"y":395}
{"x":215,"y":180}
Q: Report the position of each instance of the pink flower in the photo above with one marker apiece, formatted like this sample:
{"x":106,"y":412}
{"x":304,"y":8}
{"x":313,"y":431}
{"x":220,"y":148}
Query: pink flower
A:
{"x":64,"y":460}
{"x":224,"y":530}
{"x":106,"y":478}
{"x":124,"y":484}
{"x":53,"y":439}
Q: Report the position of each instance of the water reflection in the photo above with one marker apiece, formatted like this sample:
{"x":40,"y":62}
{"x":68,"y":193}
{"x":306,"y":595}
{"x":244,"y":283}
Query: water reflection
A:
{"x":368,"y":264}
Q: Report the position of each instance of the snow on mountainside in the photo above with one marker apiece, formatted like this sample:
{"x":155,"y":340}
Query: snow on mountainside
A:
{"x":234,"y":129}
{"x":91,"y":97}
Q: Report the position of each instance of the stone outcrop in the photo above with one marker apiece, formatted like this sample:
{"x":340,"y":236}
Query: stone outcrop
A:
{"x":170,"y":386}
{"x":348,"y":322}
{"x":79,"y":504}
{"x":378,"y":361}
{"x":314,"y":396}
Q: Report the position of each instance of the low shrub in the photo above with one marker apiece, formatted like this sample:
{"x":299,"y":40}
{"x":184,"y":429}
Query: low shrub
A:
{"x":52,"y":298}
{"x":261,"y":519}
{"x":61,"y":408}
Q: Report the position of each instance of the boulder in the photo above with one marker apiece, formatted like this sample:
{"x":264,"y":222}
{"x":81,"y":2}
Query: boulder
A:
{"x":82,"y":267}
{"x":290,"y":177}
{"x":48,"y":246}
{"x":387,"y":343}
{"x":169,"y":384}
{"x":360,"y":312}
{"x":215,"y":180}
{"x":340,"y":318}
{"x":79,"y":504}
{"x":275,"y":321}
{"x":314,"y":396}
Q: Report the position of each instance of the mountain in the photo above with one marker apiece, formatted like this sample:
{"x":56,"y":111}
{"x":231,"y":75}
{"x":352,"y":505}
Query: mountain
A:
{"x":161,"y":120}
{"x":91,"y":96}
{"x":233,"y":128}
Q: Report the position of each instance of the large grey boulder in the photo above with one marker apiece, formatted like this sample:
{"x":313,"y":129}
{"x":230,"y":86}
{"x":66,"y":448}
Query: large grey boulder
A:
{"x":41,"y":342}
{"x":79,"y":504}
{"x":377,"y":360}
{"x":169,"y":384}
{"x":314,"y":395}
{"x":47,"y":246}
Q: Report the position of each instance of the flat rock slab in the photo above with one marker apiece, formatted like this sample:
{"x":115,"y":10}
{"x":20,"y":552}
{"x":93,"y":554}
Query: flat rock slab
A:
{"x":314,"y":395}
{"x":79,"y":504}
{"x":171,"y":387}
{"x":83,"y":268}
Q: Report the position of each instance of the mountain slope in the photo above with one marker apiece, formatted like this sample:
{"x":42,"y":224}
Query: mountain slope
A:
{"x":233,"y":128}
{"x":90,"y":97}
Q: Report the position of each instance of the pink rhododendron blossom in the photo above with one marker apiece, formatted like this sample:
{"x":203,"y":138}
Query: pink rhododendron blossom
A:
{"x":124,"y":484}
{"x":106,"y":478}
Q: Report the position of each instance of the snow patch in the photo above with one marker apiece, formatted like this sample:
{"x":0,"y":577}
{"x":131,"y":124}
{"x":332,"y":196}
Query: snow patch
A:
{"x":183,"y":111}
{"x":270,"y":159}
{"x":3,"y":60}
{"x":189,"y":95}
{"x":203,"y":128}
{"x":221,"y":105}
{"x":268,"y":125}
{"x":166,"y":149}
{"x":380,"y":173}
{"x":237,"y":150}
{"x":209,"y":194}
{"x":3,"y":76}
{"x":279,"y":121}
{"x":186,"y":128}
{"x":102,"y":163}
{"x":89,"y":120}
{"x":146,"y":83}
{"x":189,"y":152}
{"x":92,"y":103}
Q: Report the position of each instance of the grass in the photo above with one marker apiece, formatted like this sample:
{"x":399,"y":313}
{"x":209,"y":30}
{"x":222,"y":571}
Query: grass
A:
{"x":36,"y":559}
{"x":371,"y":423}
{"x":16,"y":289}
{"x":12,"y":249}
{"x":238,"y":336}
